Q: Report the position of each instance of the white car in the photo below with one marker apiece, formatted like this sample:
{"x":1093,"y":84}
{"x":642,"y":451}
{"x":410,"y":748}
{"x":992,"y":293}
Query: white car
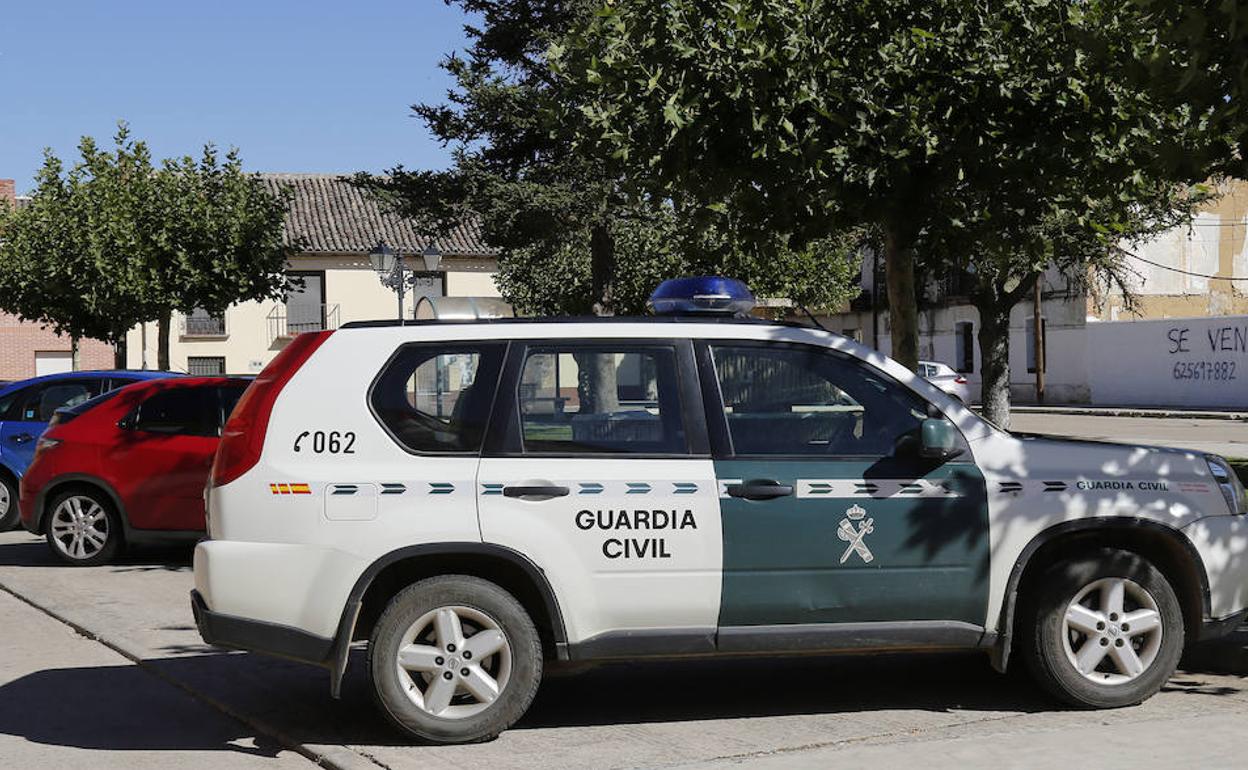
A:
{"x":479,"y":500}
{"x":944,"y":377}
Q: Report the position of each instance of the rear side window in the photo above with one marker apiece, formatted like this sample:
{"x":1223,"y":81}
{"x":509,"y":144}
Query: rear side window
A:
{"x":601,"y":399}
{"x":181,"y":412}
{"x":43,"y":401}
{"x":436,"y":398}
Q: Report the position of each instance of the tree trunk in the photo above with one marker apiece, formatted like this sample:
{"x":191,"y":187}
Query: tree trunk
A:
{"x":119,"y":354}
{"x":602,"y":268}
{"x":994,"y":353}
{"x":162,"y":341}
{"x":903,"y":312}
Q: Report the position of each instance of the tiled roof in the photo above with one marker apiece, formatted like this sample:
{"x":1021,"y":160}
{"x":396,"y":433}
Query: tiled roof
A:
{"x":332,"y":216}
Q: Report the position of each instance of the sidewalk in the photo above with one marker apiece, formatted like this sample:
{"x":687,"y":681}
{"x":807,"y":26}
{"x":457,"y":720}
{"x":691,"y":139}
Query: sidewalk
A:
{"x":1130,"y":411}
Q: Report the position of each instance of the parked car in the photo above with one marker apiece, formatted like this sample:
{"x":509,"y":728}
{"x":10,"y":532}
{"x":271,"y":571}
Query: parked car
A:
{"x":127,"y":467}
{"x":944,"y":377}
{"x":481,"y":499}
{"x":25,"y":409}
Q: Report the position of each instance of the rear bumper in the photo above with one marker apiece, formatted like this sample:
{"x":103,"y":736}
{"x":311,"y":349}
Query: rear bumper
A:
{"x":255,"y":635}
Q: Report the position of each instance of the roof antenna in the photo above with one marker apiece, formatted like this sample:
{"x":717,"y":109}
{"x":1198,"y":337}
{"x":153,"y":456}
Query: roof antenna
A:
{"x":812,"y":318}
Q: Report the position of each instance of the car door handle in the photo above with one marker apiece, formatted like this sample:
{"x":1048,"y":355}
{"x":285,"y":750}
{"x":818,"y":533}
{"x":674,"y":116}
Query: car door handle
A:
{"x":22,"y":438}
{"x":541,"y":491}
{"x":760,"y":489}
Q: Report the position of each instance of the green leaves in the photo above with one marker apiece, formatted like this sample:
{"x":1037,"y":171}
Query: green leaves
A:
{"x":115,"y":242}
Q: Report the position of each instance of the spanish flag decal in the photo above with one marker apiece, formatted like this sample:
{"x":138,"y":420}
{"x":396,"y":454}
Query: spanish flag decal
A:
{"x":290,"y":489}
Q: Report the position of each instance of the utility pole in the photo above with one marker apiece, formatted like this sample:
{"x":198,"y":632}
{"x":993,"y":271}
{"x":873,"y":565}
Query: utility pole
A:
{"x":875,"y":298}
{"x":1038,"y":334}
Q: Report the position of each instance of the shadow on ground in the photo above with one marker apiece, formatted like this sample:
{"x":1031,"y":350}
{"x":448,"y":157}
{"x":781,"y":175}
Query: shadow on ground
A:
{"x":293,"y":700}
{"x":35,"y":552}
{"x":118,"y":708}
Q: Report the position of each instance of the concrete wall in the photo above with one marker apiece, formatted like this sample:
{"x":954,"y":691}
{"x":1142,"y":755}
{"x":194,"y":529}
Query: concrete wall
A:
{"x":1190,"y":362}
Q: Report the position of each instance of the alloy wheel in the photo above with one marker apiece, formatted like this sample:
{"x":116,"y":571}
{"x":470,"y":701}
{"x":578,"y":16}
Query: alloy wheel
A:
{"x":5,"y":500}
{"x":454,"y":661}
{"x":80,"y":527}
{"x":1112,"y":631}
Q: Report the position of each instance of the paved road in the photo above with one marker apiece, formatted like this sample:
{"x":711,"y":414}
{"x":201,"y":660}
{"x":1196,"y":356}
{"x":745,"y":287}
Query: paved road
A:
{"x":66,"y":700}
{"x":1224,"y":437}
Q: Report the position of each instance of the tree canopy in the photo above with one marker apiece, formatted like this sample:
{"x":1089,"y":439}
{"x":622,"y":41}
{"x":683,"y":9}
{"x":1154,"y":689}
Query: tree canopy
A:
{"x":928,"y":119}
{"x":574,"y":234}
{"x":114,"y":241}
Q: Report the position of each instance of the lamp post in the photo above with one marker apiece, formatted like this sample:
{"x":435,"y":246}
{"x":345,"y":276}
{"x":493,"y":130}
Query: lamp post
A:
{"x":388,"y":263}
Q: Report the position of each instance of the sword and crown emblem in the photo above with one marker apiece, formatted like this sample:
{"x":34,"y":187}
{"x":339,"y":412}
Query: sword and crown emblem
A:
{"x":856,"y":536}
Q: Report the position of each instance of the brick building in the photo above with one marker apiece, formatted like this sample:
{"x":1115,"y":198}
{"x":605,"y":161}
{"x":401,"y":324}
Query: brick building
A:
{"x":26,"y":349}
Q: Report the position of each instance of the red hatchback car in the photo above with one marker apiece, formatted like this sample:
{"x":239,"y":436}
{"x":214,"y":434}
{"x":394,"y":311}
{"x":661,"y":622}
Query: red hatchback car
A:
{"x":127,"y":467}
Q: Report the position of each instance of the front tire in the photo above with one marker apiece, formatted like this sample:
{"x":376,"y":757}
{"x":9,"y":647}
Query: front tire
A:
{"x":9,"y":511}
{"x":1103,"y":631}
{"x":83,"y":529}
{"x":454,"y":659}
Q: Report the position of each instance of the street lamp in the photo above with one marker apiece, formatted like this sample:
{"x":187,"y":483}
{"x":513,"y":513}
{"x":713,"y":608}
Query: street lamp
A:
{"x":389,"y":266}
{"x":432,"y":257}
{"x":388,"y":263}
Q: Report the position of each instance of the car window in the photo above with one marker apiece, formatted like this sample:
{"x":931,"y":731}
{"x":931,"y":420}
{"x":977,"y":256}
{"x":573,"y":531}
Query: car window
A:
{"x":179,"y":411}
{"x":229,"y":395}
{"x":600,"y":399}
{"x":41,"y":402}
{"x":804,"y":400}
{"x":437,"y":397}
{"x":9,"y":409}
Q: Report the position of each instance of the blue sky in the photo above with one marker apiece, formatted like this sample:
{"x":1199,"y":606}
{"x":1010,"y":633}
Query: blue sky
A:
{"x":303,"y":85}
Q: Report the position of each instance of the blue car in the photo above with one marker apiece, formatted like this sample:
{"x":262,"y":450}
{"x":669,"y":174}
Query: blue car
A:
{"x":25,"y":409}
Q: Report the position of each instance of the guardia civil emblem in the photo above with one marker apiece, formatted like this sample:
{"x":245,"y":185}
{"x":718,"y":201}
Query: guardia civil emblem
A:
{"x":855,"y":534}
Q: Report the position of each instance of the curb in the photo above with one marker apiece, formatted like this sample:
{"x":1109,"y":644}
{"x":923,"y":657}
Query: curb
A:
{"x":332,"y":757}
{"x":1167,"y":414}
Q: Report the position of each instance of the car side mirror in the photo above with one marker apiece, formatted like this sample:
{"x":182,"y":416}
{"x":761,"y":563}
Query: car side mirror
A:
{"x":938,"y":439}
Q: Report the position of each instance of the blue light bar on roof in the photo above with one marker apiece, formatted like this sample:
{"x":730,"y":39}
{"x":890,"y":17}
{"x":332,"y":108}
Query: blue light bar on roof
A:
{"x":702,"y":295}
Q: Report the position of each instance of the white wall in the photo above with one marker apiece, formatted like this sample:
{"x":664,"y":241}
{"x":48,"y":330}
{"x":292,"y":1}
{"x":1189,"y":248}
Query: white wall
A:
{"x":350,"y":285}
{"x":1195,"y":362}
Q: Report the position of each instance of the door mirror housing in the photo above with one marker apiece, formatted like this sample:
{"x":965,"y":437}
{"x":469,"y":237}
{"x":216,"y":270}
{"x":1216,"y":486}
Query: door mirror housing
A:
{"x":938,"y":439}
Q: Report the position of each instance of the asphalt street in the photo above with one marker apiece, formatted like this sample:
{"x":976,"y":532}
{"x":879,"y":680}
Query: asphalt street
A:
{"x":102,"y":667}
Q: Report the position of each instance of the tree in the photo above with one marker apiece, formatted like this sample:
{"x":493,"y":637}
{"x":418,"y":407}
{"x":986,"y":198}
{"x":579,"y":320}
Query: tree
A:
{"x":70,"y":258}
{"x":115,"y":242}
{"x":217,"y":239}
{"x":573,"y":236}
{"x":933,"y":120}
{"x":999,"y":275}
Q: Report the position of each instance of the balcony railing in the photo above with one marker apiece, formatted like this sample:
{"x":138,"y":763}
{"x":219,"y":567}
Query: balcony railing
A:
{"x":285,"y":322}
{"x":203,"y":325}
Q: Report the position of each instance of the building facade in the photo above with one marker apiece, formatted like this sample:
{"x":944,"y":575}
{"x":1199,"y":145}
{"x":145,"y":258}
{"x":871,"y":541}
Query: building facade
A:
{"x":28,"y":349}
{"x":334,"y":225}
{"x":1183,"y":343}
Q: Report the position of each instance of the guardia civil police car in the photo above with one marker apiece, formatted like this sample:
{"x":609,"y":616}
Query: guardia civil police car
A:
{"x":479,"y":499}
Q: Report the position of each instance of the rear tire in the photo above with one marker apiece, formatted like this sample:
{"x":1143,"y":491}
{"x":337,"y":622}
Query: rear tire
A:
{"x":10,"y":513}
{"x":1103,"y":631}
{"x":83,"y":528}
{"x":454,"y":659}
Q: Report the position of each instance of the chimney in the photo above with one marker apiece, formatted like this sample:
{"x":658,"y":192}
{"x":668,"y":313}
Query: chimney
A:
{"x":8,"y":193}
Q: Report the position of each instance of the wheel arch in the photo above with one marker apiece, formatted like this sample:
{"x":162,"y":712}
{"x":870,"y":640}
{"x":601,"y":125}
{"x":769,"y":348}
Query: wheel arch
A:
{"x":398,"y":569}
{"x":1165,"y":547}
{"x":71,"y":480}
